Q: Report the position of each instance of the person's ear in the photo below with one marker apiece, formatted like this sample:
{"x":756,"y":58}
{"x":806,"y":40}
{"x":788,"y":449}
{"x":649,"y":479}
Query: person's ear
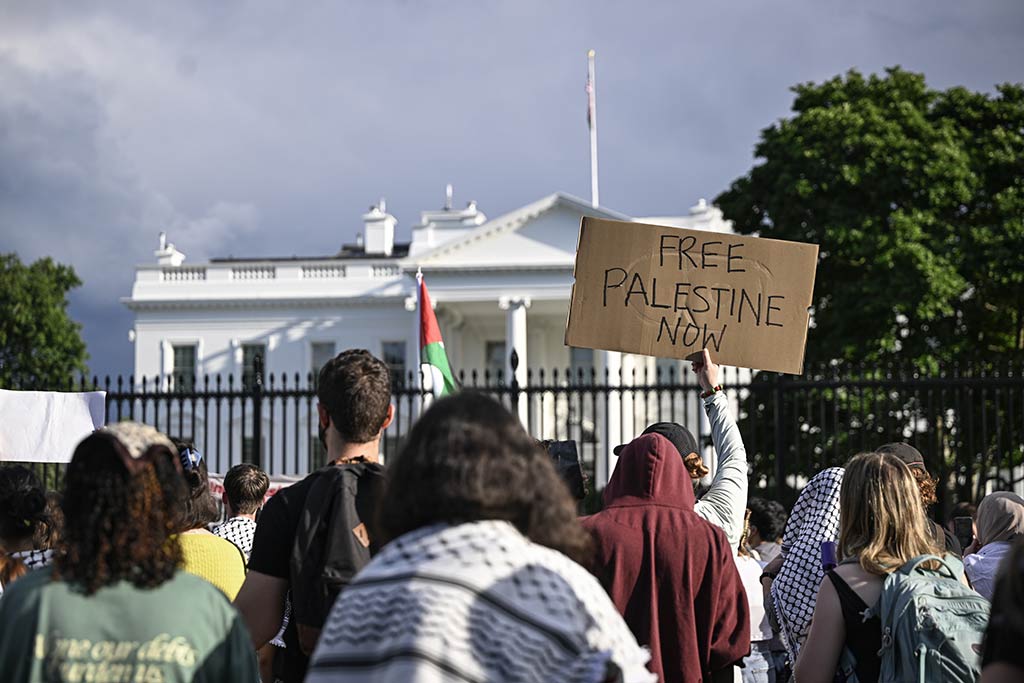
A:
{"x":389,"y":418}
{"x":325,"y":419}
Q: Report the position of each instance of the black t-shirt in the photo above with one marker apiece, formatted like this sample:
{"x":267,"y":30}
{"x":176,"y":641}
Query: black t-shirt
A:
{"x":946,"y":538}
{"x":271,"y":553}
{"x":275,"y":530}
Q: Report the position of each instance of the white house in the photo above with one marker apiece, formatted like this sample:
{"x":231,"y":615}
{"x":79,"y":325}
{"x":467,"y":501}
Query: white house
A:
{"x":497,"y":284}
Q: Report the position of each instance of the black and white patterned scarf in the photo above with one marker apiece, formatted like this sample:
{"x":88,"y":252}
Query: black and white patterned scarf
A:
{"x":815,"y":518}
{"x":33,"y":559}
{"x":475,"y":602}
{"x":240,"y":531}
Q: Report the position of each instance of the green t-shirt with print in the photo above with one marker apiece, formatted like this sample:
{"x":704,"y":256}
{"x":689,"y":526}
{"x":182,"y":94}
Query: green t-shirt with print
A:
{"x":184,"y":630}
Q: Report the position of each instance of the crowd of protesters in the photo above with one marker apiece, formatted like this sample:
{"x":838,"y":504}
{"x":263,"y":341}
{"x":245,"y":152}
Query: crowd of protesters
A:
{"x":465,"y":560}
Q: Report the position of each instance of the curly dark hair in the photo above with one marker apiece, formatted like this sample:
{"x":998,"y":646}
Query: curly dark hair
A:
{"x":926,"y":484}
{"x":22,"y":503}
{"x":355,"y":389}
{"x":47,"y":535}
{"x":468,"y":459}
{"x":117,"y":523}
{"x":769,"y":517}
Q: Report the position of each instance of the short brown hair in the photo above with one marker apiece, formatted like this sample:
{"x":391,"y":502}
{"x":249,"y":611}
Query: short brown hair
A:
{"x":355,"y":389}
{"x":245,"y":486}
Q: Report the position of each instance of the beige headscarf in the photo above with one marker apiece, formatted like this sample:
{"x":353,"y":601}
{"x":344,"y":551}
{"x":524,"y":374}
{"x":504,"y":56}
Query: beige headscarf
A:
{"x":137,"y":437}
{"x":1000,"y":517}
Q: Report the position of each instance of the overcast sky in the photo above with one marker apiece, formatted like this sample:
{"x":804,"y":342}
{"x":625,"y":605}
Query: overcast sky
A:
{"x":267,"y":128}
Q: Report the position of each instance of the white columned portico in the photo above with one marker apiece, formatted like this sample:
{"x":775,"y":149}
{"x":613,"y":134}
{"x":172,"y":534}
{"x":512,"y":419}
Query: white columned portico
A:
{"x":515,"y":339}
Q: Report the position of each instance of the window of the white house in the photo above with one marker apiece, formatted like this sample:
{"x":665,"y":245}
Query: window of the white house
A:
{"x":668,"y":370}
{"x":183,"y":371}
{"x":249,"y":353}
{"x":393,"y":353}
{"x":581,"y":363}
{"x":320,"y":353}
{"x":495,"y":359}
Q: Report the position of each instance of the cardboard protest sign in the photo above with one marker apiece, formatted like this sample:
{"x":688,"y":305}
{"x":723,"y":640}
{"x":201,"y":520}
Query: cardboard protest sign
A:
{"x":670,"y":292}
{"x":46,"y":426}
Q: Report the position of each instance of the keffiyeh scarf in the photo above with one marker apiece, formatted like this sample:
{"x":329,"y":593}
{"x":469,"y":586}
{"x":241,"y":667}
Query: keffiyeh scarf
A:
{"x":474,"y":602}
{"x":33,"y":559}
{"x":815,"y":518}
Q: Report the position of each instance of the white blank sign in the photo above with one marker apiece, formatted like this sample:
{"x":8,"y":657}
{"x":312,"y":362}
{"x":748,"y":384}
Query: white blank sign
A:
{"x":45,"y":426}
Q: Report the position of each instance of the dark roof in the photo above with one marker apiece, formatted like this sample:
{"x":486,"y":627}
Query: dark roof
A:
{"x":347,"y":253}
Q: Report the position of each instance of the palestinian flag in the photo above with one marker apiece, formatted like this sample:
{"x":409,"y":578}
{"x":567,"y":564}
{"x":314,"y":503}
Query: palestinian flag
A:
{"x":436,"y":373}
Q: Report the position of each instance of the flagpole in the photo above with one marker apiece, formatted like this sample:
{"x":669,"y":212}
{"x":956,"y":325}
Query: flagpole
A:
{"x":592,"y":110}
{"x":611,"y":361}
{"x":419,"y":331}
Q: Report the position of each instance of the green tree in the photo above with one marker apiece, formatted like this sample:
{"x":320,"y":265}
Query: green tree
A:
{"x":40,"y":346}
{"x":916,"y":197}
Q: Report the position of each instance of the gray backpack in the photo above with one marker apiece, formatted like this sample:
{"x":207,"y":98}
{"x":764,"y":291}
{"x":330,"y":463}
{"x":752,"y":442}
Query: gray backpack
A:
{"x":932,"y":625}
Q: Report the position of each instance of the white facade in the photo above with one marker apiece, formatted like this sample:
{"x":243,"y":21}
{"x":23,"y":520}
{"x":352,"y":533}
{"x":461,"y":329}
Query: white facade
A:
{"x":497,"y":284}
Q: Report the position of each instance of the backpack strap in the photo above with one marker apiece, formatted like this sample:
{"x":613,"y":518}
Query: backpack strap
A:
{"x":913,"y":565}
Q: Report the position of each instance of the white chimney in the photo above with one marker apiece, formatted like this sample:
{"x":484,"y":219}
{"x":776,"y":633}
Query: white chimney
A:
{"x":379,"y":230}
{"x":167,"y":255}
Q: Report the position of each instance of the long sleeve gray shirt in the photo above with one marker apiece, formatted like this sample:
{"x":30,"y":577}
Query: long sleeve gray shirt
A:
{"x":725,"y":503}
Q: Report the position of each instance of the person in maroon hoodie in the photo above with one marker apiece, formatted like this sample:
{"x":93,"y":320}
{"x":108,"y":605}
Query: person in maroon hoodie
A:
{"x":670,"y":573}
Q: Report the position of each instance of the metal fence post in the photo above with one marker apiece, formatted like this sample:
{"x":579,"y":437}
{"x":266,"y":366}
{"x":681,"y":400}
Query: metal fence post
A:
{"x":257,"y":411}
{"x":779,"y":461}
{"x":513,"y":362}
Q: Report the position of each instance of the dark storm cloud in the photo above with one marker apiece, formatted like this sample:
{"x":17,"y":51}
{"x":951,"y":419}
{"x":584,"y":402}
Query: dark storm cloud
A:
{"x":281,"y":122}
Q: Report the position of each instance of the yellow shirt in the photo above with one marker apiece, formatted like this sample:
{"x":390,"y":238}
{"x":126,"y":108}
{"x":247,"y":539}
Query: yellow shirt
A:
{"x":214,"y":559}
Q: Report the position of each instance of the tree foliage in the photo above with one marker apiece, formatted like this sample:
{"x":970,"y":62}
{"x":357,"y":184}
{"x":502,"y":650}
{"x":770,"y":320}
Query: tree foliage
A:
{"x":40,"y":346}
{"x":916,"y":197}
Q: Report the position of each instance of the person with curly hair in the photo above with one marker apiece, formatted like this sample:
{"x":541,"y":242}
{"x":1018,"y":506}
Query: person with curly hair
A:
{"x":724,"y":502}
{"x":23,"y":515}
{"x":115,"y":605}
{"x":478,"y":579}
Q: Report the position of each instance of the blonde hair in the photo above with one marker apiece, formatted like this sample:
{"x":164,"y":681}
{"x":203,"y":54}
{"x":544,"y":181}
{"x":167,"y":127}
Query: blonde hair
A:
{"x":882,"y":520}
{"x":744,"y":547}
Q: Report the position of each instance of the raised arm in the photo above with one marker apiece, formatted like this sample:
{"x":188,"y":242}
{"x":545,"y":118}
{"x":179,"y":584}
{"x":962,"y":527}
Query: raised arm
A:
{"x":724,"y":504}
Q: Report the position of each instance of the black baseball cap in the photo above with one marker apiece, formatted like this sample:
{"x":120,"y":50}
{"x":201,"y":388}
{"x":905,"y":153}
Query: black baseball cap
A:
{"x":679,"y":435}
{"x":905,"y":452}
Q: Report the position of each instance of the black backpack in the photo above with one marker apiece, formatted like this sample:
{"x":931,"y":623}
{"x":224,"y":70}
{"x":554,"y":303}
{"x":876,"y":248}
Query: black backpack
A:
{"x":333,"y":541}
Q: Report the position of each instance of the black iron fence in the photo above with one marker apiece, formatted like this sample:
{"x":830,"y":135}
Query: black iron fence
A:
{"x":967,"y":419}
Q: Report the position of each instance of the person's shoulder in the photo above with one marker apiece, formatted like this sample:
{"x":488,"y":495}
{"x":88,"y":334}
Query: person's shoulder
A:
{"x":29,"y":585}
{"x":196,"y":596}
{"x":856,"y":576}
